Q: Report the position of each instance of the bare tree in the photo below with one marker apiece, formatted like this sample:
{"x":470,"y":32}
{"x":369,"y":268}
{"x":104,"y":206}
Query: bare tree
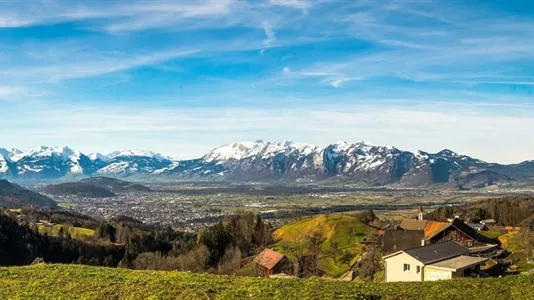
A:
{"x":370,"y":262}
{"x":297,"y":249}
{"x":314,"y":241}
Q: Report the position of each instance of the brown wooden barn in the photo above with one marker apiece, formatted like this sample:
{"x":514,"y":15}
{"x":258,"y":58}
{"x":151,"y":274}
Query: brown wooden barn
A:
{"x":272,"y":262}
{"x":462,"y":233}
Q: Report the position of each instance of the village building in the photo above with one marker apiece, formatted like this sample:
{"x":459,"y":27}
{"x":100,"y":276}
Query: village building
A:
{"x":478,"y":226}
{"x":460,"y":232}
{"x":440,"y":261}
{"x":272,"y":262}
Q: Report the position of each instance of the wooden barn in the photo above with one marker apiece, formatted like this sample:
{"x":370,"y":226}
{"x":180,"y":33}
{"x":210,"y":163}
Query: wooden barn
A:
{"x":462,"y":233}
{"x":272,"y":262}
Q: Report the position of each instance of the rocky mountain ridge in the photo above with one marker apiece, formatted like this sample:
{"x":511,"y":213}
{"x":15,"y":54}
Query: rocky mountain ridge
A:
{"x":266,"y":161}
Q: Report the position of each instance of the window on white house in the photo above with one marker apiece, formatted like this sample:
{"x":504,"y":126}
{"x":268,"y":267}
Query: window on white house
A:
{"x":418,"y":269}
{"x":406,"y":268}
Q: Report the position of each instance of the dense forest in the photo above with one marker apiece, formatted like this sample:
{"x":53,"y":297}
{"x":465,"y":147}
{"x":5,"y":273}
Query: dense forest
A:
{"x":127,"y":242}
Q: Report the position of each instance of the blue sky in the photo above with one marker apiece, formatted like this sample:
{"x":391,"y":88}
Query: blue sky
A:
{"x":183,"y":77}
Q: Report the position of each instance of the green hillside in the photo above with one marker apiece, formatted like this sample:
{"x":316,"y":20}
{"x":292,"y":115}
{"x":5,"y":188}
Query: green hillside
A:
{"x":75,"y":232}
{"x":345,"y":230}
{"x":86,"y":282}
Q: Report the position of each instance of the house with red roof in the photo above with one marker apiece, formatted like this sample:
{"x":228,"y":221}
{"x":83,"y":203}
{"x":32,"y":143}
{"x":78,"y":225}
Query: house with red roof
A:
{"x":272,"y":262}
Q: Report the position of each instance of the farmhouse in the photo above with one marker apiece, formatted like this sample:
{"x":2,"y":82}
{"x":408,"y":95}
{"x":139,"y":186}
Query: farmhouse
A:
{"x":460,"y":232}
{"x":272,"y":262}
{"x":440,"y":261}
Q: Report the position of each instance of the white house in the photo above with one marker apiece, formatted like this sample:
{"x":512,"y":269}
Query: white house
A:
{"x":439,"y":261}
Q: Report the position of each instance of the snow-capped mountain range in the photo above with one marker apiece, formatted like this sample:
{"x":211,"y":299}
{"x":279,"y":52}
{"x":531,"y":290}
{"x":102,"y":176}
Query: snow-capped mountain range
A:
{"x":263,"y":161}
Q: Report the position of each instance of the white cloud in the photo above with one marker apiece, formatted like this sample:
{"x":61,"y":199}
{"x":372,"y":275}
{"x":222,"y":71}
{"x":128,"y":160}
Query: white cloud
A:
{"x":94,"y":66}
{"x":287,"y":70}
{"x":269,"y":33}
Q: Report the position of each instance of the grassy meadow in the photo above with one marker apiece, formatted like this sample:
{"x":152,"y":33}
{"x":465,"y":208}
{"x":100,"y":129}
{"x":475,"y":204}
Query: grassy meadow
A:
{"x":75,"y":232}
{"x":86,"y":282}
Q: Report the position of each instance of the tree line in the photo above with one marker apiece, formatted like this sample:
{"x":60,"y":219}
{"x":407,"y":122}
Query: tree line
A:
{"x":127,"y":242}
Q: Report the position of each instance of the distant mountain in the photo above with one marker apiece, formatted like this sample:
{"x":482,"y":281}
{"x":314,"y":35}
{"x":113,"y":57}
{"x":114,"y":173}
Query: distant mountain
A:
{"x":58,"y":163}
{"x":115,"y":185}
{"x":14,"y":196}
{"x":267,"y":161}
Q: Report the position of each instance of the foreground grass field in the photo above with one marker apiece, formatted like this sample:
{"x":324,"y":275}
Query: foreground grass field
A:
{"x":346,"y":230}
{"x":86,"y":282}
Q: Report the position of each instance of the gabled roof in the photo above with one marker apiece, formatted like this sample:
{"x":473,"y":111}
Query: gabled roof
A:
{"x":268,"y":258}
{"x":467,"y":230}
{"x":428,"y":226}
{"x":437,"y":252}
{"x":412,"y":224}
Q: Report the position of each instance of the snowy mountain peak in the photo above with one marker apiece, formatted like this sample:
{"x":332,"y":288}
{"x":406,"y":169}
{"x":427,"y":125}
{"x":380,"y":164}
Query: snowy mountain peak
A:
{"x":42,"y":151}
{"x":100,"y":156}
{"x":141,"y":153}
{"x":262,"y":160}
{"x":447,"y":153}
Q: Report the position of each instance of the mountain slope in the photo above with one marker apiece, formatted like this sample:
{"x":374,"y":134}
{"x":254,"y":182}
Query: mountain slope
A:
{"x":14,"y":196}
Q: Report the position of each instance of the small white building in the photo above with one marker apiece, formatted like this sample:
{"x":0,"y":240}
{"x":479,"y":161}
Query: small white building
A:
{"x":439,"y":261}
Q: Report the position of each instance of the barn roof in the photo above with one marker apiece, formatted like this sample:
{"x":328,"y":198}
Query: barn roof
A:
{"x":268,"y":258}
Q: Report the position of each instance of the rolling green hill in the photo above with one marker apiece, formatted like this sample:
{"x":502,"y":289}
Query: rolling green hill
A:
{"x":78,"y":189}
{"x":345,"y":230}
{"x":86,"y":282}
{"x":115,"y":185}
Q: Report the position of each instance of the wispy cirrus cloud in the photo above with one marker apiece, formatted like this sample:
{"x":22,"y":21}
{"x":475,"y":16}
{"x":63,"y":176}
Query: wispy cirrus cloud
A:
{"x":195,"y":65}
